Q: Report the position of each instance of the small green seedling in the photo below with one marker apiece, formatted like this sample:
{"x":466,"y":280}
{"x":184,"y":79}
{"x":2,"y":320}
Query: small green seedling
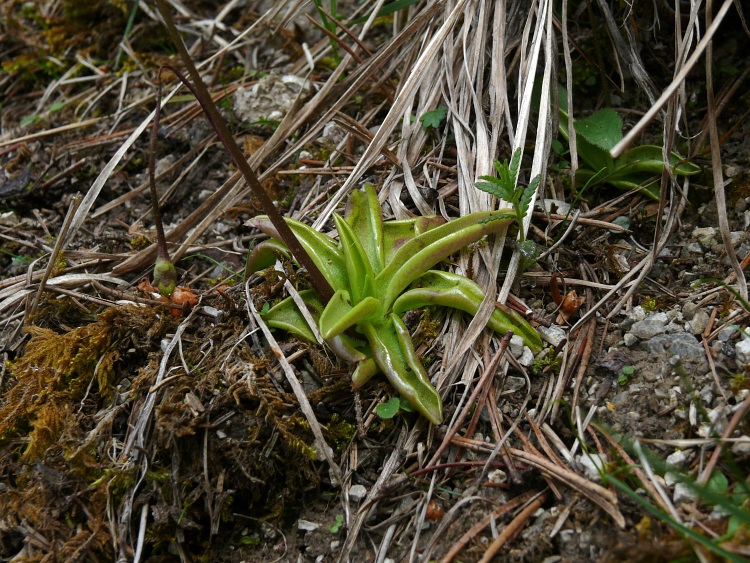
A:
{"x":390,"y":408}
{"x":434,"y":117}
{"x":625,"y":375}
{"x":338,"y":523}
{"x":379,"y":270}
{"x":635,"y":169}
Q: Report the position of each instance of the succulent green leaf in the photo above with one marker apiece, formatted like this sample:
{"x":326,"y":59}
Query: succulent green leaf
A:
{"x":364,"y":372}
{"x":394,"y":353}
{"x":365,"y":216}
{"x":358,"y":269}
{"x":649,"y":158}
{"x":339,"y":315}
{"x":286,"y":316}
{"x":423,"y":252}
{"x":451,"y":290}
{"x":398,"y":233}
{"x":322,"y":250}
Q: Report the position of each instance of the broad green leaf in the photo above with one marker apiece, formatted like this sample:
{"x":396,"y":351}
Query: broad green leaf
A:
{"x":451,"y":290}
{"x":365,"y":216}
{"x":322,"y":250}
{"x":394,"y":353}
{"x":286,"y":316}
{"x":602,"y":129}
{"x":340,"y":314}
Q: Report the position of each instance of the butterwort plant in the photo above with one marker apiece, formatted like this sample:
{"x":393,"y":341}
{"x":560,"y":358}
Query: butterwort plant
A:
{"x":378,"y":271}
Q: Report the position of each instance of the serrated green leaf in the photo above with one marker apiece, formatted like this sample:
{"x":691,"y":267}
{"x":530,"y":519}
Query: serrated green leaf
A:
{"x":515,"y":165}
{"x":434,"y":117}
{"x":528,"y":193}
{"x":493,"y":186}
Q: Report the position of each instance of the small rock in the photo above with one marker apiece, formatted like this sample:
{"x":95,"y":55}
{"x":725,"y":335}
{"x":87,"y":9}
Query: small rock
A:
{"x":689,"y":310}
{"x":497,"y":476}
{"x":706,"y":395}
{"x":650,"y":327}
{"x":683,"y":494}
{"x":213,"y":312}
{"x":527,"y":358}
{"x":670,"y":478}
{"x":9,"y":219}
{"x":741,"y":447}
{"x":220,"y":434}
{"x":357,"y":492}
{"x":307,"y":526}
{"x":725,"y":334}
{"x":636,"y":314}
{"x":732,"y":170}
{"x":717,"y":422}
{"x":335,"y":545}
{"x":629,"y":339}
{"x":556,"y":206}
{"x":704,"y":235}
{"x":737,"y":237}
{"x":677,"y":459}
{"x":554,"y":334}
{"x":592,"y":464}
{"x":694,"y":248}
{"x":742,"y":351}
{"x":699,"y":322}
{"x":513,"y":384}
{"x":683,"y":345}
{"x":516,"y":346}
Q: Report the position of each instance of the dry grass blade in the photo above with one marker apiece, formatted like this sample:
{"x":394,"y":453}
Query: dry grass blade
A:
{"x":322,"y":446}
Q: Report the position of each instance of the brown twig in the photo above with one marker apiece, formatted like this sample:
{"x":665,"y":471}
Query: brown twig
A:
{"x":512,"y":529}
{"x":198,"y":88}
